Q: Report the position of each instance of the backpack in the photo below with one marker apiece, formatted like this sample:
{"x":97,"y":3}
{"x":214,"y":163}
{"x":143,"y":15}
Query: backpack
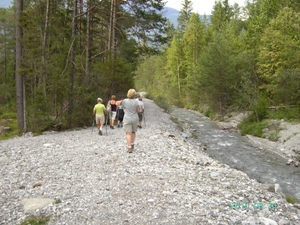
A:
{"x":108,"y":107}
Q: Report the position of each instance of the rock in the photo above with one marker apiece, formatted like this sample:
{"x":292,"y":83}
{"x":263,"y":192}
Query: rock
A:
{"x":32,"y":204}
{"x":4,"y":129}
{"x":266,"y":221}
{"x":268,"y":187}
{"x":289,"y":162}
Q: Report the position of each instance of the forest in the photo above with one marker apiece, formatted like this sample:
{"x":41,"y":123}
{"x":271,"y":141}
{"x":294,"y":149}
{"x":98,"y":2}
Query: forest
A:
{"x":236,"y":59}
{"x":58,"y":56}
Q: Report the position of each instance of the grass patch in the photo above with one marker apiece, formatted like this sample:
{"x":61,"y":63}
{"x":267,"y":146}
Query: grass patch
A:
{"x":252,"y":128}
{"x":35,"y":220}
{"x":291,"y":114}
{"x":13,"y":125}
{"x":291,"y":199}
{"x":8,"y":118}
{"x":57,"y":201}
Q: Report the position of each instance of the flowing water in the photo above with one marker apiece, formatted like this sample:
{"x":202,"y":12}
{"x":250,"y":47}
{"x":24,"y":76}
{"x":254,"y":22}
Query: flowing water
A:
{"x":236,"y":151}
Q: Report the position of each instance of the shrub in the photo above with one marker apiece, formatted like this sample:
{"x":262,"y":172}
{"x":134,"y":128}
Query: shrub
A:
{"x":35,"y":220}
{"x":252,"y":128}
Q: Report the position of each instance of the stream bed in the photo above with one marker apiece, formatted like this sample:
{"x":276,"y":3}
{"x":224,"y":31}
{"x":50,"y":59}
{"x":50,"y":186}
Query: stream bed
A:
{"x":237,"y":152}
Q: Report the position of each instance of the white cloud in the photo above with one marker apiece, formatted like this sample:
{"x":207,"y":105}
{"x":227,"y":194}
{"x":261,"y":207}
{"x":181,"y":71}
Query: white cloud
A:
{"x":200,"y":6}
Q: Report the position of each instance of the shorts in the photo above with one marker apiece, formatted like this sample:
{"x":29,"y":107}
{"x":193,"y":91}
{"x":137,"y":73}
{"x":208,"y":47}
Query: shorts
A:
{"x":140,"y":114}
{"x":100,"y":119}
{"x":113,"y":115}
{"x":120,"y":115}
{"x":130,"y":127}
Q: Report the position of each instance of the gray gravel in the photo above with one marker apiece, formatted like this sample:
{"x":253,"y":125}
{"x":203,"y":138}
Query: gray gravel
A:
{"x":79,"y":177}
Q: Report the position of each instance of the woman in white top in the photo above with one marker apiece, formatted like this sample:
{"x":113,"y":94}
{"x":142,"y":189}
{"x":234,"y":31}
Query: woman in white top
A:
{"x":131,"y":119}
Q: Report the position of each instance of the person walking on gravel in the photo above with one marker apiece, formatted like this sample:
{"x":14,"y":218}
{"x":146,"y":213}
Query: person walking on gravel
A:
{"x":99,"y":111}
{"x":120,"y":113}
{"x":141,"y":111}
{"x":113,"y":111}
{"x":131,"y":119}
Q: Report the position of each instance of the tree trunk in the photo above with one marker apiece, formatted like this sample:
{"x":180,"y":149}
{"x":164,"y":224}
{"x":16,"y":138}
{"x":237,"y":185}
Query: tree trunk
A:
{"x":44,"y":38}
{"x":20,"y":80}
{"x":178,"y":78}
{"x":88,"y":44}
{"x":72,"y":65}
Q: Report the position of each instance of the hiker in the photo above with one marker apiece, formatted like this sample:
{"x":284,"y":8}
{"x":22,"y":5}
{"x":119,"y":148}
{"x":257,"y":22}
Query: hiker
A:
{"x":98,"y":112}
{"x":131,"y":119}
{"x":141,"y":111}
{"x":112,"y":111}
{"x":120,"y":113}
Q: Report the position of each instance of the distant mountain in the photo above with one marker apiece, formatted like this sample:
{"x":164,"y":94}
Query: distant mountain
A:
{"x":171,"y":14}
{"x":5,"y":3}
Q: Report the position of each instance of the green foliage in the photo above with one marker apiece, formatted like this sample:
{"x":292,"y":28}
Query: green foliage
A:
{"x":8,"y":118}
{"x":217,"y":76}
{"x":222,"y":13}
{"x":291,"y":199}
{"x":278,"y":51}
{"x":209,"y":113}
{"x":248,"y":126}
{"x":57,"y":201}
{"x":260,"y":110}
{"x":287,"y":88}
{"x":291,"y":114}
{"x":184,"y":15}
{"x":36,"y":220}
{"x":13,"y":132}
{"x":162,"y":103}
{"x":227,"y":64}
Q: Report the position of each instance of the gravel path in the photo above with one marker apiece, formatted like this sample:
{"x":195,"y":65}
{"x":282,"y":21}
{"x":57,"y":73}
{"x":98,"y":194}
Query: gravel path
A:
{"x":79,"y":177}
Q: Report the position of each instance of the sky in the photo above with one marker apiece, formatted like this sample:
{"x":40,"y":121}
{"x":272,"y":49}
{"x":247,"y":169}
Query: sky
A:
{"x":200,"y":6}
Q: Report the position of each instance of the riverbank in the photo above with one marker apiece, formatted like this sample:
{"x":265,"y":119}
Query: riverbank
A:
{"x":287,"y":143}
{"x":79,"y":177}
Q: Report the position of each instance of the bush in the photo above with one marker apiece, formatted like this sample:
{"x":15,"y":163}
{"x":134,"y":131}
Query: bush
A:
{"x":291,"y":114}
{"x":252,"y":128}
{"x":260,"y":109}
{"x":291,"y":199}
{"x":162,"y":103}
{"x":35,"y":220}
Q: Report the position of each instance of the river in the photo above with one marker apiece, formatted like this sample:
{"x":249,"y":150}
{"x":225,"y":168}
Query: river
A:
{"x":236,"y":151}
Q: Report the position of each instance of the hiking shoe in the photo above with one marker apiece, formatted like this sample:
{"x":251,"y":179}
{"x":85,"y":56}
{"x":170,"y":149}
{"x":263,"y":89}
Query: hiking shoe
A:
{"x":119,"y":125}
{"x":112,"y":127}
{"x":129,"y":150}
{"x":100,"y":132}
{"x":132,"y":146}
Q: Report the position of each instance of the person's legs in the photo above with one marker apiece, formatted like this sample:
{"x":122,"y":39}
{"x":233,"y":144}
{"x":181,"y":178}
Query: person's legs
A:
{"x":112,"y":120}
{"x":128,"y":130}
{"x":140,"y":114}
{"x":128,"y":139}
{"x":102,"y":120}
{"x":132,"y":139}
{"x":98,"y":122}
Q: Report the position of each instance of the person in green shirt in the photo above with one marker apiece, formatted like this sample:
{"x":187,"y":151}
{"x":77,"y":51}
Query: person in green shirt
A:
{"x":99,"y":111}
